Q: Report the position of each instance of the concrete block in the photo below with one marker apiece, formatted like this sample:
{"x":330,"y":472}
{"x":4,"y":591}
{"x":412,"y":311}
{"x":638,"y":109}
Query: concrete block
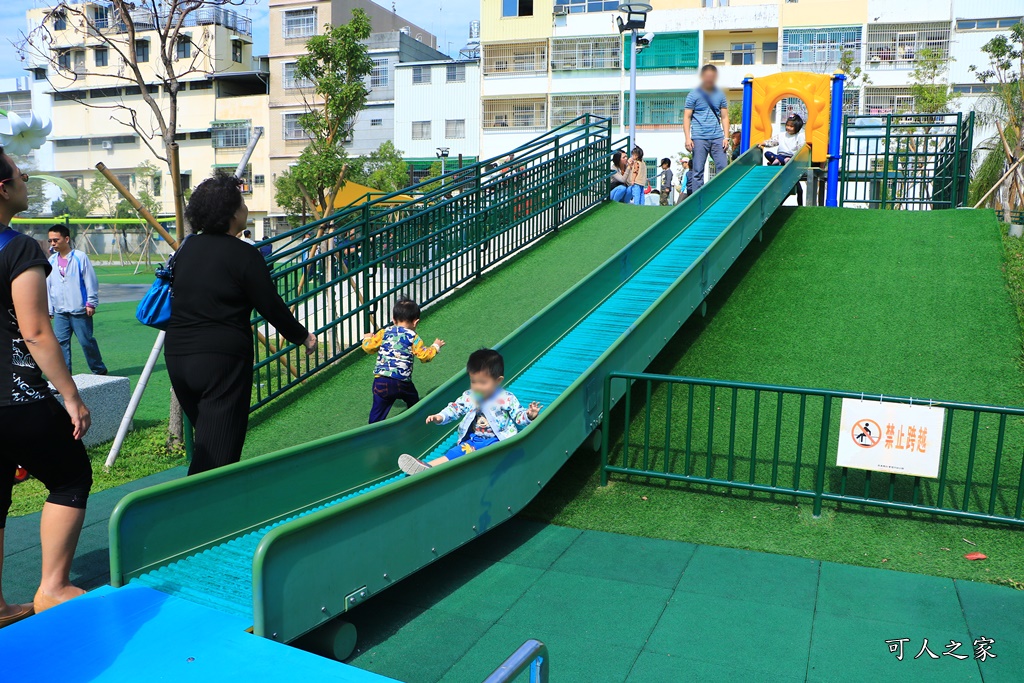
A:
{"x":107,"y":398}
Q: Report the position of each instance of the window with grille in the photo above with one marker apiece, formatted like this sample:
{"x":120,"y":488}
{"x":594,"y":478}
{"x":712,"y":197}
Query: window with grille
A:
{"x":421,"y":130}
{"x":896,"y":46}
{"x":581,"y":6}
{"x":888,"y":101}
{"x":742,"y":54}
{"x":299,"y":23}
{"x":376,"y":122}
{"x":987,"y":24}
{"x":585,"y":54}
{"x":668,"y":51}
{"x":505,"y":59}
{"x":230,"y":136}
{"x":565,"y":108}
{"x":819,"y":49}
{"x":380,"y":74}
{"x":516,"y":113}
{"x":455,"y":73}
{"x":654,"y":109}
{"x":60,"y":21}
{"x":289,"y":80}
{"x":183,"y":48}
{"x":420,"y":75}
{"x":101,"y":16}
{"x":455,"y":129}
{"x":292,"y":129}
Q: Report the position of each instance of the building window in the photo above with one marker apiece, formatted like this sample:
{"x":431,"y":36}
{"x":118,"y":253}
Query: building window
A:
{"x":290,"y":82}
{"x":376,"y":122}
{"x":421,"y":130}
{"x":380,"y":76}
{"x":657,"y":109}
{"x":64,"y":60}
{"x":819,"y":50}
{"x":183,"y":49}
{"x":888,"y":100}
{"x":504,"y":59}
{"x":60,"y":21}
{"x":101,"y":16}
{"x":580,"y":6}
{"x":236,"y":51}
{"x":156,"y":182}
{"x":987,"y":24}
{"x":292,"y":129}
{"x":100,"y":56}
{"x":200,"y":85}
{"x":455,"y":129}
{"x":517,"y":8}
{"x":236,"y":135}
{"x":565,"y":108}
{"x":455,"y":73}
{"x":974,"y":88}
{"x":742,"y":54}
{"x":141,"y":51}
{"x":185,"y":180}
{"x":516,"y":113}
{"x":420,"y":75}
{"x":770,"y":53}
{"x":75,"y":142}
{"x":259,"y":180}
{"x":299,"y":23}
{"x":670,"y":51}
{"x":577,"y":54}
{"x":896,"y":46}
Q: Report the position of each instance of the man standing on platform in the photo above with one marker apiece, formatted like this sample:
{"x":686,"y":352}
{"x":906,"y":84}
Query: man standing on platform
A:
{"x":72,"y":290}
{"x":705,"y":123}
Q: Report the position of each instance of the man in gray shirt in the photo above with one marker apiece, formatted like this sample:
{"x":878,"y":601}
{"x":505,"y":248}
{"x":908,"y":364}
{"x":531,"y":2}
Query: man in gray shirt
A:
{"x":705,"y":121}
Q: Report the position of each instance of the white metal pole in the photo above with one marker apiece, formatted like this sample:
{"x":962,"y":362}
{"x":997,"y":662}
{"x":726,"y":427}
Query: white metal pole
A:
{"x":632,"y":90}
{"x":133,"y":405}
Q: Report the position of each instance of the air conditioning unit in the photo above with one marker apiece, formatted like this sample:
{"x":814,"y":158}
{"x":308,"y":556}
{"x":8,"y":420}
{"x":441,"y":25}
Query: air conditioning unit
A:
{"x":107,"y":144}
{"x":561,"y":10}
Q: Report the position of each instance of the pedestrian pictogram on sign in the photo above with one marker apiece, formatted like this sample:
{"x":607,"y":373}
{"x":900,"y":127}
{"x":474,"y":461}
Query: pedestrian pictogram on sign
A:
{"x":866,"y":433}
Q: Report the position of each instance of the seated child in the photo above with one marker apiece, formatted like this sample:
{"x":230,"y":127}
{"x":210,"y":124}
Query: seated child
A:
{"x":396,"y":346}
{"x":790,"y":143}
{"x":489,"y":413}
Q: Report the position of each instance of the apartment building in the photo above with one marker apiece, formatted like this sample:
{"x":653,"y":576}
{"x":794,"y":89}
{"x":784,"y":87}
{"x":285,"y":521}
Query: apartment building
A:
{"x":545,"y":62}
{"x":394,"y":41}
{"x":220,"y":103}
{"x":437,"y":106}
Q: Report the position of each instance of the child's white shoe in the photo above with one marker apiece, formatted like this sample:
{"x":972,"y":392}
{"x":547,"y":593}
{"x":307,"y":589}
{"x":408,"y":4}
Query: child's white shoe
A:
{"x":411,"y":465}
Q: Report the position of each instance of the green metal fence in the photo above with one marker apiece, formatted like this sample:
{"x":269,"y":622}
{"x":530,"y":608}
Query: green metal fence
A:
{"x":341,"y":275}
{"x":783,"y":440}
{"x":906,"y":161}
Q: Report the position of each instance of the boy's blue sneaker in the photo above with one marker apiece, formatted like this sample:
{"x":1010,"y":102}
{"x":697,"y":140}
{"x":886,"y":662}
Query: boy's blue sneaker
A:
{"x":411,"y":465}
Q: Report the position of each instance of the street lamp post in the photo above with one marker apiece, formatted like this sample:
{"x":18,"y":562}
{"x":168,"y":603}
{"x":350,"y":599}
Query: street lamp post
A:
{"x":636,"y":19}
{"x":442,"y":154}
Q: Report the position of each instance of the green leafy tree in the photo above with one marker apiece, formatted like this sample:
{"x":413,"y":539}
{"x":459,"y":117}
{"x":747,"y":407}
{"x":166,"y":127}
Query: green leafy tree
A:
{"x":336,"y":63}
{"x":849,"y":65}
{"x":931,"y":91}
{"x":383,"y":169}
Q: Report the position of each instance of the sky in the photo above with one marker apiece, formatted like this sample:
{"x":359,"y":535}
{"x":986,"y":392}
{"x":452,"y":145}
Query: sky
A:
{"x":447,"y":19}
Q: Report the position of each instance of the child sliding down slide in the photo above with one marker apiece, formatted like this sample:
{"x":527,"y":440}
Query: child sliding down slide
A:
{"x":489,"y":413}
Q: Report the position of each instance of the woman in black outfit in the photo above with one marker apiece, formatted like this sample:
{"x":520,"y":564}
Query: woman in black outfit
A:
{"x":35,"y":431}
{"x":218,"y":280}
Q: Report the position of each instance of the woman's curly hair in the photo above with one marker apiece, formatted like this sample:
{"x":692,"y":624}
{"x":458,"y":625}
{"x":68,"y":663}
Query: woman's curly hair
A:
{"x":213,"y":203}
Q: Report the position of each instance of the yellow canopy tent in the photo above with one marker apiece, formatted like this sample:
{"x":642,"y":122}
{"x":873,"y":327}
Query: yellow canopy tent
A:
{"x":352,"y":194}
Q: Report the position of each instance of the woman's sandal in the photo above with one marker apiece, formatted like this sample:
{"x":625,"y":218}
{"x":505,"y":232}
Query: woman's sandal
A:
{"x":24,"y":612}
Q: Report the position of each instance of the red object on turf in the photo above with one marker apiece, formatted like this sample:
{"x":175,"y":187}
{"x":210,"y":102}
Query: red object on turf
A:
{"x":975,"y":556}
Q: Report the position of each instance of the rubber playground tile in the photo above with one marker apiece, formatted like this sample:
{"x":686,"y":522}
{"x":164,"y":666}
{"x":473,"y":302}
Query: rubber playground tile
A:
{"x":866,"y":593}
{"x":465,"y":586}
{"x":589,"y":608}
{"x":757,"y":577}
{"x":758,"y":636}
{"x":572,"y":659}
{"x":842,"y":644}
{"x":523,"y":542}
{"x":649,"y":561}
{"x":727,"y":668}
{"x":996,"y":613}
{"x":420,"y":644}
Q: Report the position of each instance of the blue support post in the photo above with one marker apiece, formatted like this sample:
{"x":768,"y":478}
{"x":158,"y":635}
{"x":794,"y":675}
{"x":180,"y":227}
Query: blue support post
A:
{"x":835,"y":133}
{"x":748,"y":106}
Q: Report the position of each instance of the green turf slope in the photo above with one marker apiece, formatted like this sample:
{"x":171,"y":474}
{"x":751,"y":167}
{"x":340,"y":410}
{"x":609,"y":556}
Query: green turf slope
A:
{"x":899,"y":303}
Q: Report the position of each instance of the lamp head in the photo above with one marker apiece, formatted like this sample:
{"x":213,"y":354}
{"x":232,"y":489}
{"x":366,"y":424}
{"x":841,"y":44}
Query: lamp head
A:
{"x":636,"y":16}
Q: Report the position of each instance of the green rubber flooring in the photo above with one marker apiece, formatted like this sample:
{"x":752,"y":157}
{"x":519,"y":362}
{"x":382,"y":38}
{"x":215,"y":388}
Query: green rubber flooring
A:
{"x":622,"y":608}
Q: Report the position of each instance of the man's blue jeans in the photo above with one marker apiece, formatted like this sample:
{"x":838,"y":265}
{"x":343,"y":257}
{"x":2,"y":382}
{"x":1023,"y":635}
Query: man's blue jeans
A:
{"x":64,"y":324}
{"x":701,"y":150}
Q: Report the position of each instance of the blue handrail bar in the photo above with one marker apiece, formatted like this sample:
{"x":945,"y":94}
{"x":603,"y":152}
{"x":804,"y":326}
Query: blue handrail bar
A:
{"x":532,"y":654}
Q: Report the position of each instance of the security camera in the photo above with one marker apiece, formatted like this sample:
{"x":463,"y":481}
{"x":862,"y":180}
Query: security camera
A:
{"x":648,"y":37}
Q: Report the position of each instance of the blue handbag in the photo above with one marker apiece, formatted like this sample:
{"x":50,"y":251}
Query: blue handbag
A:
{"x":155,"y":308}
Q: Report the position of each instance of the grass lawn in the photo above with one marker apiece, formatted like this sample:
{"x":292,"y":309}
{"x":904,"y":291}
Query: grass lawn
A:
{"x":897,"y":303}
{"x":339,"y":398}
{"x":125,"y":275}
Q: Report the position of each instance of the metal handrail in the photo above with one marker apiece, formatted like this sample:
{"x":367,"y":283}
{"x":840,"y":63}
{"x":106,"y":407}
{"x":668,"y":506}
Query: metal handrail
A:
{"x":532,"y":654}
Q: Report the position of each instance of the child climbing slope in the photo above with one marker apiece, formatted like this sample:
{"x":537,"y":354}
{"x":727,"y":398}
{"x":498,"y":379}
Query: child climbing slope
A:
{"x":396,"y":347}
{"x":489,"y":412}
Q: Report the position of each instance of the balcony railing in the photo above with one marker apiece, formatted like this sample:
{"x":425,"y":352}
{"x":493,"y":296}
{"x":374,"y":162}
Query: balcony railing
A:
{"x":753,"y":57}
{"x":145,"y":20}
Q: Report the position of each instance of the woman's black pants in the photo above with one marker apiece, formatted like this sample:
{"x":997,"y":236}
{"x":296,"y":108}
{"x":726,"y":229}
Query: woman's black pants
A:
{"x":214,"y":390}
